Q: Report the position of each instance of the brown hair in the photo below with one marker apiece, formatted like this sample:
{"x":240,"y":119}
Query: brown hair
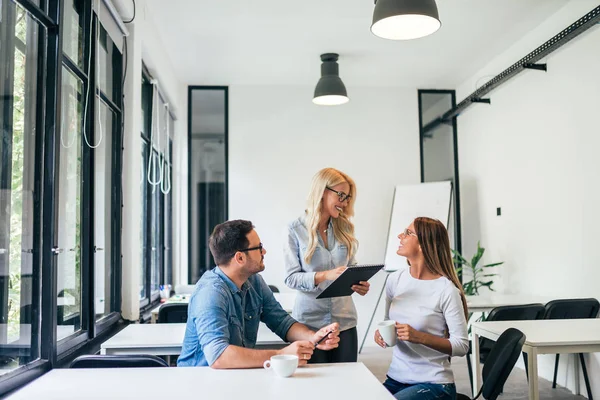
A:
{"x":435,"y":245}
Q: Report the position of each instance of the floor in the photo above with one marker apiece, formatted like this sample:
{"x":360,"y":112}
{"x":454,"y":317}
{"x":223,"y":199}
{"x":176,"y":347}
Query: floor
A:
{"x":378,"y":361}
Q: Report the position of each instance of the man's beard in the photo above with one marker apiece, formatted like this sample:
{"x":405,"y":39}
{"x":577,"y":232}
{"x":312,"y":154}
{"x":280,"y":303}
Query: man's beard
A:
{"x":256,"y":266}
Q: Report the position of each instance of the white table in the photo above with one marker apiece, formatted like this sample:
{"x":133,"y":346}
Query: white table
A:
{"x":323,"y":381}
{"x":485,"y":303}
{"x":166,"y":339}
{"x":542,"y":337}
{"x":285,"y":299}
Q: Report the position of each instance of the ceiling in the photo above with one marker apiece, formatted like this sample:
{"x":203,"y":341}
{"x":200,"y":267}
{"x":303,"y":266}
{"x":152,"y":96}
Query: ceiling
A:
{"x":278,"y":42}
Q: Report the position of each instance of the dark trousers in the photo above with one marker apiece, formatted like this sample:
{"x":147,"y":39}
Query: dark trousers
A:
{"x":347,"y":351}
{"x":420,"y":391}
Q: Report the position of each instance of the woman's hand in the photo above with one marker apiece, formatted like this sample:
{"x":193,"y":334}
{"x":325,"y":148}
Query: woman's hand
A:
{"x":379,"y":340}
{"x":333,"y":274}
{"x":407,"y":333}
{"x":330,"y":275}
{"x":362,"y":288}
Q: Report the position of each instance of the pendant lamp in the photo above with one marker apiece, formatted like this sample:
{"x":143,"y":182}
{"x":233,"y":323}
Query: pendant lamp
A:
{"x":405,"y":19}
{"x":330,"y":90}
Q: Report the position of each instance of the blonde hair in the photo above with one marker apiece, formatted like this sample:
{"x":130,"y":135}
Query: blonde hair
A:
{"x":343,"y":228}
{"x":435,"y":245}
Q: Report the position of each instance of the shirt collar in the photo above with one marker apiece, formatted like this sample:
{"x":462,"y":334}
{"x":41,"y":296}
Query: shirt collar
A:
{"x":230,"y":284}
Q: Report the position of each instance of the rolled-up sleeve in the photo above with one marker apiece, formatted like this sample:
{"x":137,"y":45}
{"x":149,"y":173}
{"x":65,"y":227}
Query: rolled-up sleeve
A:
{"x":454,"y":314}
{"x":295,"y":277}
{"x":209,"y":316}
{"x":273,"y":315}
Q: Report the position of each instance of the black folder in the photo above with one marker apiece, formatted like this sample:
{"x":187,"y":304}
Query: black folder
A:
{"x":342,"y":286}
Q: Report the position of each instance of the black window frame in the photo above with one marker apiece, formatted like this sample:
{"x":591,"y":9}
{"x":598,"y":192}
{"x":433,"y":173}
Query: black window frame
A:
{"x":456,"y":181}
{"x":191,"y":89}
{"x":165,"y":268}
{"x":48,"y":102}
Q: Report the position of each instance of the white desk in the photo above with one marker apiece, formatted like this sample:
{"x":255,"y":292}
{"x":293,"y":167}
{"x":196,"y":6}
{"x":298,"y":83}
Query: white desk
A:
{"x":285,"y":299}
{"x":166,"y":339}
{"x":485,"y":303}
{"x":326,"y":381}
{"x":542,"y":337}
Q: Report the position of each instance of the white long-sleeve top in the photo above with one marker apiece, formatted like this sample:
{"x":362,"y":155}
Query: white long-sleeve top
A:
{"x":431,"y":306}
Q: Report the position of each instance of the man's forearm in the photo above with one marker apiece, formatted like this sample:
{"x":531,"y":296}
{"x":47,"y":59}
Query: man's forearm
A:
{"x":241,"y":357}
{"x":299,"y":331}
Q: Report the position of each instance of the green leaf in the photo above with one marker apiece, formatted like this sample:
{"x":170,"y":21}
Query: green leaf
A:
{"x":493,"y":265}
{"x":478,"y":255}
{"x":458,"y":258}
{"x":487,"y":275}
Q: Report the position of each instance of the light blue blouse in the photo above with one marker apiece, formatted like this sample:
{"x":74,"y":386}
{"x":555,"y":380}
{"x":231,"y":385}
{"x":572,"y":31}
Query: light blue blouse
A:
{"x":300,"y":275}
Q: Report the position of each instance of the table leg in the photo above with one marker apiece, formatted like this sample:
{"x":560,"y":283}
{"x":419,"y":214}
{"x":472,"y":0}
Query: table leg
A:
{"x":475,"y":362}
{"x":534,"y":393}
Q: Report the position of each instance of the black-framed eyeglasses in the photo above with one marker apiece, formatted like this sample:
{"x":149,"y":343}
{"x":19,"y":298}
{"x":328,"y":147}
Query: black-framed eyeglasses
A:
{"x":343,"y":196}
{"x":259,"y":247}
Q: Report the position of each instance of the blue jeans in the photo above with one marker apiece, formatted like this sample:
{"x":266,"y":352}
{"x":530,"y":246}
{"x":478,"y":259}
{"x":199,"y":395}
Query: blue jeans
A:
{"x":421,"y":391}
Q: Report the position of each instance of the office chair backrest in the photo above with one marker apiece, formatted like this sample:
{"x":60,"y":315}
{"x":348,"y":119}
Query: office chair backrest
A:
{"x":517,"y":313}
{"x":500,"y":362}
{"x":173,"y":313}
{"x":572,"y":309}
{"x":121,"y":361}
{"x":509,"y":313}
{"x":274,"y":288}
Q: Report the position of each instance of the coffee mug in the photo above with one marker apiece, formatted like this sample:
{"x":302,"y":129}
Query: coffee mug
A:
{"x":283,"y":365}
{"x":387,"y":330}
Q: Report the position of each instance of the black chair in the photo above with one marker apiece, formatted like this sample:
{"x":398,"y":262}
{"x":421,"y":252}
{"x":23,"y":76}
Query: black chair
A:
{"x":274,"y":288}
{"x":506,"y":313}
{"x":499,"y":363}
{"x":173,"y":313}
{"x":114,"y":361}
{"x":572,"y":309}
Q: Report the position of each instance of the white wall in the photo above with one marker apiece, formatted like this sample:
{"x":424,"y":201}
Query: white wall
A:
{"x":533,"y":153}
{"x":278,"y":139}
{"x":144,"y":44}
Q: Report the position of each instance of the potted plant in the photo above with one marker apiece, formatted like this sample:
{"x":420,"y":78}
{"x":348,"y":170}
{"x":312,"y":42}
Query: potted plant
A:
{"x":479,"y":274}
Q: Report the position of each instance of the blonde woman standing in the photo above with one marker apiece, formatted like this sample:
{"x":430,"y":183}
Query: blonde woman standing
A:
{"x":319,"y":246}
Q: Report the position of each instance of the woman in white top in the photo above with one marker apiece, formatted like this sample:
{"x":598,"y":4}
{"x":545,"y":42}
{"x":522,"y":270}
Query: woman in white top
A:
{"x":429,"y":307}
{"x":318,"y":247}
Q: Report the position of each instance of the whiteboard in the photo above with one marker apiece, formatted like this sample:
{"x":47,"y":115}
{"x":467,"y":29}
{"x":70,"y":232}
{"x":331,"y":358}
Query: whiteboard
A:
{"x":431,"y":199}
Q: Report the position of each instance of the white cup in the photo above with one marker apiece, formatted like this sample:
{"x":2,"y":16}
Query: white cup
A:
{"x":283,"y":365}
{"x":387,"y":330}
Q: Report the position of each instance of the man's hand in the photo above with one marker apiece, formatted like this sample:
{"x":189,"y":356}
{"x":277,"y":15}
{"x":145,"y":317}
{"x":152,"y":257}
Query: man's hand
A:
{"x":301,"y":348}
{"x":362,"y":288}
{"x":332,"y":331}
{"x":407,"y":333}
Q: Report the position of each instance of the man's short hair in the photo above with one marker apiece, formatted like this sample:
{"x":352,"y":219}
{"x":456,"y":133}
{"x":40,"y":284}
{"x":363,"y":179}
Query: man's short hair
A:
{"x":228,"y":238}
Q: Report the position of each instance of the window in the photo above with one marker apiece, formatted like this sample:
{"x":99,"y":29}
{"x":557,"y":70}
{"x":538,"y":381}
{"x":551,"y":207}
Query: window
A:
{"x":107,"y":170}
{"x":69,"y":196}
{"x":207,"y":194}
{"x":156,"y":211}
{"x":61,"y":131}
{"x":20,"y":40}
{"x":439,"y":158}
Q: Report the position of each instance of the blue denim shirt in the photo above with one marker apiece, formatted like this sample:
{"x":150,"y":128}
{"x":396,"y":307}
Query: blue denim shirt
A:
{"x":220,"y":314}
{"x":300,"y":275}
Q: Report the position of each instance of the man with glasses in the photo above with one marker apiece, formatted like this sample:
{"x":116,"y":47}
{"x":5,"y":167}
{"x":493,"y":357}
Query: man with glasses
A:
{"x":229,"y":302}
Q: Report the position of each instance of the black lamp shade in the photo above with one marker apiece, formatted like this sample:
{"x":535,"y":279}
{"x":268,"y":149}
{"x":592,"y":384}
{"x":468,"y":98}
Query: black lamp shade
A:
{"x":405,"y":19}
{"x":330,"y":89}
